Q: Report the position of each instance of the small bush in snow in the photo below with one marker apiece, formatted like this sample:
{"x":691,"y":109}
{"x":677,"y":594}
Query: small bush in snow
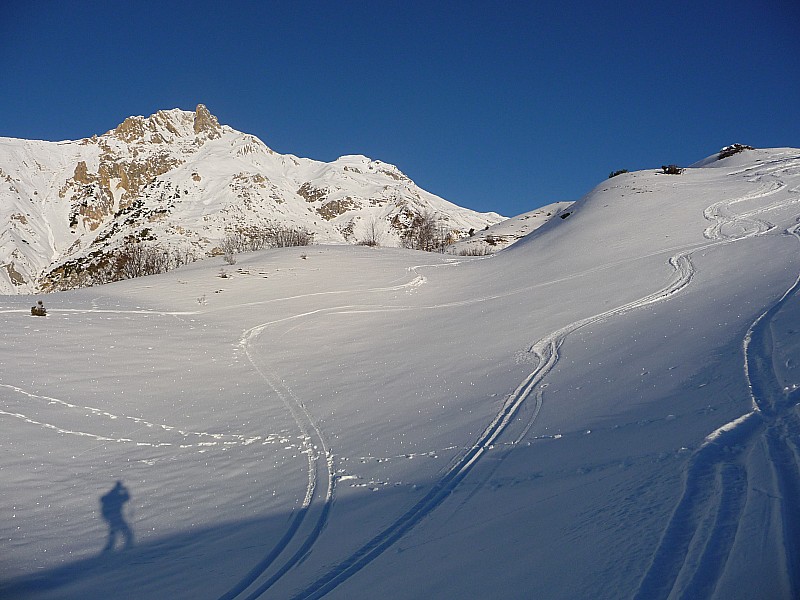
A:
{"x":284,"y":237}
{"x":373,"y":234}
{"x":260,"y":238}
{"x":475,"y":251}
{"x":427,"y":233}
{"x":229,"y":247}
{"x":671,"y":169}
{"x":615,"y":173}
{"x":136,"y":259}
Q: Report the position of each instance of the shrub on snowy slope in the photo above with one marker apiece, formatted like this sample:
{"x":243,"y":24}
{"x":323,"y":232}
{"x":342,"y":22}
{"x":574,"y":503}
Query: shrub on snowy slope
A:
{"x":733,"y":149}
{"x":427,"y":233}
{"x":260,"y":238}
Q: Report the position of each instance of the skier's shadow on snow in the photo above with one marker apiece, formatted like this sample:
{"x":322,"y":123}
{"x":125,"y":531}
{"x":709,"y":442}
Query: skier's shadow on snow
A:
{"x":112,"y":506}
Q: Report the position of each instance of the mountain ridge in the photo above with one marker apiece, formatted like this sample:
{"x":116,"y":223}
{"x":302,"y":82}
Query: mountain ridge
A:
{"x":181,"y":180}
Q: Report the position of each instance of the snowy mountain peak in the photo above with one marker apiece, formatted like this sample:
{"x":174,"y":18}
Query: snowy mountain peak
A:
{"x":165,"y":126}
{"x":182,"y":182}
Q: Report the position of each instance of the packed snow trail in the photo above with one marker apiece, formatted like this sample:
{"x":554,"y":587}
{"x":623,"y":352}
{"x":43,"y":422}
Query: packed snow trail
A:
{"x":546,"y":353}
{"x":774,"y":422}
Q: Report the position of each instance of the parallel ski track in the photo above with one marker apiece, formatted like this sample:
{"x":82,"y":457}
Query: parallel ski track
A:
{"x":699,"y":537}
{"x":300,"y":536}
{"x":316,"y":502}
{"x":546,"y":353}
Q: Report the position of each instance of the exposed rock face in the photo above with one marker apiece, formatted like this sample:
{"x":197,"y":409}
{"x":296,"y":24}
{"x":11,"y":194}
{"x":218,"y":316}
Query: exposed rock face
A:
{"x":81,"y":174}
{"x":733,"y":149}
{"x":334,"y":208}
{"x":311,"y":193}
{"x":180,"y":180}
{"x":94,"y":196}
{"x":15,"y":277}
{"x":205,"y":122}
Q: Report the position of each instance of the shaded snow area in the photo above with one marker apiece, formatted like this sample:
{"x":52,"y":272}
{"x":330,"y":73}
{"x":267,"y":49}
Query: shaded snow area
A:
{"x":606,"y":409}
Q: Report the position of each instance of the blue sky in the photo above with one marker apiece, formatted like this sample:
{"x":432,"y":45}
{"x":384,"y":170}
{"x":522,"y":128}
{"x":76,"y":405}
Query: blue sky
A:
{"x":494,"y":106}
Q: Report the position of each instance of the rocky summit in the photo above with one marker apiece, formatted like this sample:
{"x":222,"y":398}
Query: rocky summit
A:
{"x":179,"y":181}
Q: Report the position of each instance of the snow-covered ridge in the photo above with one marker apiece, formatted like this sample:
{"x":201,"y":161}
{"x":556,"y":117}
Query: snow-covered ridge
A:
{"x":181,"y":180}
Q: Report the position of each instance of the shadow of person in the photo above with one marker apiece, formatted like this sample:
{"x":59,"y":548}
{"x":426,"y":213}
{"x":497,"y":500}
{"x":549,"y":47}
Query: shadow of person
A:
{"x":111,"y":507}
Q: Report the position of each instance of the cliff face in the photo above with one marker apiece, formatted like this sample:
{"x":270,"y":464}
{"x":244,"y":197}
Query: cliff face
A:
{"x":182,"y":181}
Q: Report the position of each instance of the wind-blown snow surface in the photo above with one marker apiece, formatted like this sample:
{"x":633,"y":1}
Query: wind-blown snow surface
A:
{"x":607,"y":409}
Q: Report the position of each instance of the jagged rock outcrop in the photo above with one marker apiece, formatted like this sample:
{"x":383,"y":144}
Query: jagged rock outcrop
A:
{"x":205,"y":122}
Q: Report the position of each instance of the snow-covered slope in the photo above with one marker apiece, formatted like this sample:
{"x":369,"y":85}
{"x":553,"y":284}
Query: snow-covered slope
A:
{"x":496,"y":237}
{"x":182,"y":181}
{"x":606,"y":409}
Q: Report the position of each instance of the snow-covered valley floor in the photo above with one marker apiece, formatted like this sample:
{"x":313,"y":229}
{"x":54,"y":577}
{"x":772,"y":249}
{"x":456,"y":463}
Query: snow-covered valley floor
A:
{"x":607,"y":409}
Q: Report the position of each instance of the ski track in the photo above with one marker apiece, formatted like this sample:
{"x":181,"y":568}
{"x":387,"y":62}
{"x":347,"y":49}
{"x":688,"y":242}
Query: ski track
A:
{"x":179,"y":438}
{"x":320,"y":469}
{"x":783,"y":164}
{"x":545,"y":351}
{"x":692,"y":554}
{"x":320,"y":463}
{"x":259,"y":576}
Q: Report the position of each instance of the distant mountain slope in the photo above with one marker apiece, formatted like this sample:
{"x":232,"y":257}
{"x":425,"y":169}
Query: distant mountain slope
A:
{"x":501,"y":235}
{"x":182,"y":181}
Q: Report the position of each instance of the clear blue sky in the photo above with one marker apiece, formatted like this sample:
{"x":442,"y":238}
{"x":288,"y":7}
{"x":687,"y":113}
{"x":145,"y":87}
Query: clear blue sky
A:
{"x":501,"y":106}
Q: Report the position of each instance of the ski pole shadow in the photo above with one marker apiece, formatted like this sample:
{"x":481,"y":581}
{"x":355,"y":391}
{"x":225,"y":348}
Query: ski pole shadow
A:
{"x":112,"y":505}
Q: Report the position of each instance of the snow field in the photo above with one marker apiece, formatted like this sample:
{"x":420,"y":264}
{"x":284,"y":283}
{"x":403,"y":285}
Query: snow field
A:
{"x":534,"y":424}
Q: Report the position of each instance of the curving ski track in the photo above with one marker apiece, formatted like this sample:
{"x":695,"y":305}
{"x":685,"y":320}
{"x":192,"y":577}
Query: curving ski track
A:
{"x":309,"y":521}
{"x":697,"y":542}
{"x":546,"y":354}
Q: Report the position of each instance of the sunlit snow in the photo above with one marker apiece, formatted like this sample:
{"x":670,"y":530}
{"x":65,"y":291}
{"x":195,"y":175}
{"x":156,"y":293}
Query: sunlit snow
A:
{"x":605,"y":409}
